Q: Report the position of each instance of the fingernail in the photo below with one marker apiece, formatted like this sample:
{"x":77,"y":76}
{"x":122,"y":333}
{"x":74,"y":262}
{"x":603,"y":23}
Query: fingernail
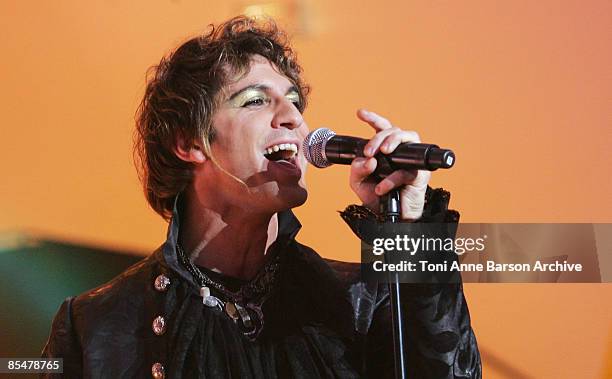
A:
{"x":369,"y":151}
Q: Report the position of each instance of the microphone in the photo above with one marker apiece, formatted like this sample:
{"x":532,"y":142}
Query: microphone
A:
{"x":322,"y":148}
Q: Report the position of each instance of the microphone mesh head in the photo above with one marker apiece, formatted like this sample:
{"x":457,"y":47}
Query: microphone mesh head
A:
{"x":314,"y":147}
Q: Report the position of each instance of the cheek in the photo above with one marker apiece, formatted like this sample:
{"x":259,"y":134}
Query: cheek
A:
{"x":303,"y":131}
{"x":236,"y":153}
{"x":232,"y":139}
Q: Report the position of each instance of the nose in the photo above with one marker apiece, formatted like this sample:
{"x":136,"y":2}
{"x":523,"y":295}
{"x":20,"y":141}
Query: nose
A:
{"x":287,"y":115}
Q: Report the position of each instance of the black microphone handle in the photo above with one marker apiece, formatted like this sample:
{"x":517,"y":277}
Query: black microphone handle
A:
{"x":407,"y":156}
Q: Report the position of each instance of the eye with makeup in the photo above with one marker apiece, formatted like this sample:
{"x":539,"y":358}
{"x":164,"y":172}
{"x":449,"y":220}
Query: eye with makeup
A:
{"x":254,"y":98}
{"x":249,"y":97}
{"x":256,"y":101}
{"x":294,"y":97}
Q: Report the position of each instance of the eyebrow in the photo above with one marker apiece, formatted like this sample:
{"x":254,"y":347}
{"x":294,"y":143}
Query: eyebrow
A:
{"x":262,"y":87}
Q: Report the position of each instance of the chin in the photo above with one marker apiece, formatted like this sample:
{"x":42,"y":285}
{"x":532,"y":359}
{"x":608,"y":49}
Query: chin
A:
{"x":298,"y":198}
{"x":283,"y":198}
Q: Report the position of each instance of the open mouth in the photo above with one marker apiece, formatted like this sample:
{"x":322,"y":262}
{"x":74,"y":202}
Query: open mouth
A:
{"x":284,"y":152}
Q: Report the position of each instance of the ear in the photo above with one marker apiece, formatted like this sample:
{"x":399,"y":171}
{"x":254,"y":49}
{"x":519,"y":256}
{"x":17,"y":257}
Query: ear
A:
{"x":188,"y":150}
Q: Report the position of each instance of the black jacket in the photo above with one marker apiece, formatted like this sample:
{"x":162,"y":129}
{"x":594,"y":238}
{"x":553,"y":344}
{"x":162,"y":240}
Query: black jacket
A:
{"x":322,"y":321}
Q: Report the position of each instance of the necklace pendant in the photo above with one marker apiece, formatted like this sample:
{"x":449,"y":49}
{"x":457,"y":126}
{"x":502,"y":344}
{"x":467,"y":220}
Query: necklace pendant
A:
{"x":210,"y":300}
{"x":204,"y":292}
{"x":232,"y":312}
{"x":246,"y":318}
{"x":207,"y":299}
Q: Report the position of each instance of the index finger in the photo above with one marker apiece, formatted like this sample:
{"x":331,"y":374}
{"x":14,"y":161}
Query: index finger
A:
{"x":376,"y":121}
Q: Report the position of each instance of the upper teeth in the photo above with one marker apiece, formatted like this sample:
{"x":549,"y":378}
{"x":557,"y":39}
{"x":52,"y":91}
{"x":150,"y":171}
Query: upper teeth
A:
{"x":283,"y":146}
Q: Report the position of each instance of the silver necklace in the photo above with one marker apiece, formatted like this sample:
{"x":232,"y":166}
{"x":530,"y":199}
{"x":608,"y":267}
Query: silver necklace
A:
{"x":244,"y":306}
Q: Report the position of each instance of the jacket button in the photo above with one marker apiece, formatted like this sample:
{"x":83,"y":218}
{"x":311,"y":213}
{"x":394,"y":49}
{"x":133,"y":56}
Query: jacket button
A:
{"x":157,"y":371}
{"x":159,"y":325}
{"x":161,"y":283}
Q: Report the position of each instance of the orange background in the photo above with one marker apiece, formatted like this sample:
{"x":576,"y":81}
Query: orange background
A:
{"x":520,"y":90}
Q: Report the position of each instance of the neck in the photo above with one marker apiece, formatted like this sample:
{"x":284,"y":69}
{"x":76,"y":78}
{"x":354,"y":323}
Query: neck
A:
{"x":225,"y":238}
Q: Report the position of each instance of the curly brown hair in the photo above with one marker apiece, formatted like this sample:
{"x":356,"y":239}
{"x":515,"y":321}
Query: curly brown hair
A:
{"x":181,"y":97}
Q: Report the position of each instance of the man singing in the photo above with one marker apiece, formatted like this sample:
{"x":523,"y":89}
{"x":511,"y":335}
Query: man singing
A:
{"x":231,"y":293}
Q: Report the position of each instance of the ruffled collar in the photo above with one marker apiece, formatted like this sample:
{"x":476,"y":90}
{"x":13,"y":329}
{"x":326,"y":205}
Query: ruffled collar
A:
{"x":309,"y":290}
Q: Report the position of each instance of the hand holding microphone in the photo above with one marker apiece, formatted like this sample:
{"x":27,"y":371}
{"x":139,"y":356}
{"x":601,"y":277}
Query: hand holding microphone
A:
{"x":393,"y":154}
